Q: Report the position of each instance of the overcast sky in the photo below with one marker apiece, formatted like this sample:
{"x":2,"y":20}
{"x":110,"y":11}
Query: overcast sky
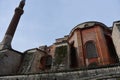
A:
{"x":44,"y":21}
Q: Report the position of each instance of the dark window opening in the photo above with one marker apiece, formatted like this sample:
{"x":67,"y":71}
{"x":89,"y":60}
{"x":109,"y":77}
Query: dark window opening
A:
{"x":48,"y":62}
{"x":73,"y":56}
{"x":42,"y":62}
{"x":91,"y":51}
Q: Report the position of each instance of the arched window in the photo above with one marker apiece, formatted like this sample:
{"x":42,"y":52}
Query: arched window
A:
{"x":48,"y":62}
{"x":91,"y":51}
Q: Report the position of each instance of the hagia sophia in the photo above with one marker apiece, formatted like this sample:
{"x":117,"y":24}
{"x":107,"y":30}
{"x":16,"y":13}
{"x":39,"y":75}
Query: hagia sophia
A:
{"x":89,"y":44}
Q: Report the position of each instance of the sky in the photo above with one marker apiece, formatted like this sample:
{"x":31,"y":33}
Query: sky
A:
{"x":44,"y":21}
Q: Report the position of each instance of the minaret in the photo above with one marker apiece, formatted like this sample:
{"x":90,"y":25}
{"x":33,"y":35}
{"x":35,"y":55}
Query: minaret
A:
{"x":6,"y":42}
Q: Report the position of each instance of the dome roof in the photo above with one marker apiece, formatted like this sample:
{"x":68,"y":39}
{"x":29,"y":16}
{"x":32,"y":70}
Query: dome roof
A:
{"x":87,"y":25}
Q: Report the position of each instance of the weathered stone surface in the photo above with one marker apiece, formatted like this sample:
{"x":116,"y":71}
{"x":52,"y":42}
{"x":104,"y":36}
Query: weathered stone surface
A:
{"x":103,"y":73}
{"x":10,"y":61}
{"x":116,"y":37}
{"x":31,"y":62}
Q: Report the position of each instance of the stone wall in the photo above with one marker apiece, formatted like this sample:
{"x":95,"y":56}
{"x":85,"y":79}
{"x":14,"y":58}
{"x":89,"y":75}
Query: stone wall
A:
{"x":10,"y":61}
{"x":102,"y":73}
{"x":31,"y":61}
{"x":116,"y":37}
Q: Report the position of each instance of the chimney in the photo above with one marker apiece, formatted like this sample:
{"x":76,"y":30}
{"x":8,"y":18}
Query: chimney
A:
{"x":6,"y":42}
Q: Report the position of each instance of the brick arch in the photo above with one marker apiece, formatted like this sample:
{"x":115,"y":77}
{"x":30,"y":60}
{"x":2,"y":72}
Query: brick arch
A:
{"x":91,"y":52}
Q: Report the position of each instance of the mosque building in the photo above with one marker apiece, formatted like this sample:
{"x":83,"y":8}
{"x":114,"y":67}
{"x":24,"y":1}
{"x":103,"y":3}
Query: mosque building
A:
{"x":88,"y":44}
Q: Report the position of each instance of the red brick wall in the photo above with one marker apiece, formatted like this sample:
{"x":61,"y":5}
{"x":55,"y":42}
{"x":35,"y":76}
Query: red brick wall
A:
{"x":95,"y":34}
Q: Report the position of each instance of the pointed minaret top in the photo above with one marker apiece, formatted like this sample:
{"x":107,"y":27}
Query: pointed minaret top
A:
{"x":22,"y":3}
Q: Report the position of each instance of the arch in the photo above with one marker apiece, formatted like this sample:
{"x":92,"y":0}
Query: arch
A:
{"x":91,"y":50}
{"x":42,"y":63}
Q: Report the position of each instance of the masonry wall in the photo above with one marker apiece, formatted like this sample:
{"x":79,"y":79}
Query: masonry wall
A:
{"x":32,"y":62}
{"x":52,"y":50}
{"x":96,"y":35}
{"x":76,"y":38}
{"x":94,"y":74}
{"x":10,"y":61}
{"x":116,"y":39}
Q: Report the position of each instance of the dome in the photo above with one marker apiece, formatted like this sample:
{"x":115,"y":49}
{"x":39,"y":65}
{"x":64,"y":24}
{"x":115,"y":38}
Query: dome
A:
{"x":87,"y":25}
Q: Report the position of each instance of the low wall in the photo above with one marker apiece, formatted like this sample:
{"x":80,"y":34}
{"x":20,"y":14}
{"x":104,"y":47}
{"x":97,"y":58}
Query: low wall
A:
{"x":103,"y":73}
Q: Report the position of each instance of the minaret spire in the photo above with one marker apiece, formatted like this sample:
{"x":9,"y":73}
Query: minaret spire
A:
{"x":6,"y":42}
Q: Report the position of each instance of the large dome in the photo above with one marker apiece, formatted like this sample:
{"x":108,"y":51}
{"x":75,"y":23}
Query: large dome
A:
{"x":87,"y":25}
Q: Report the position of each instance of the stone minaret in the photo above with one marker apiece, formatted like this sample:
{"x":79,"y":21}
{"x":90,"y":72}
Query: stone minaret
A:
{"x":6,"y":42}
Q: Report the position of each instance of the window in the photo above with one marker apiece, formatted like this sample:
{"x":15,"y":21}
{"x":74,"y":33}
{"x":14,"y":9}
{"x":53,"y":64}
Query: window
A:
{"x":48,"y":61}
{"x":91,"y":51}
